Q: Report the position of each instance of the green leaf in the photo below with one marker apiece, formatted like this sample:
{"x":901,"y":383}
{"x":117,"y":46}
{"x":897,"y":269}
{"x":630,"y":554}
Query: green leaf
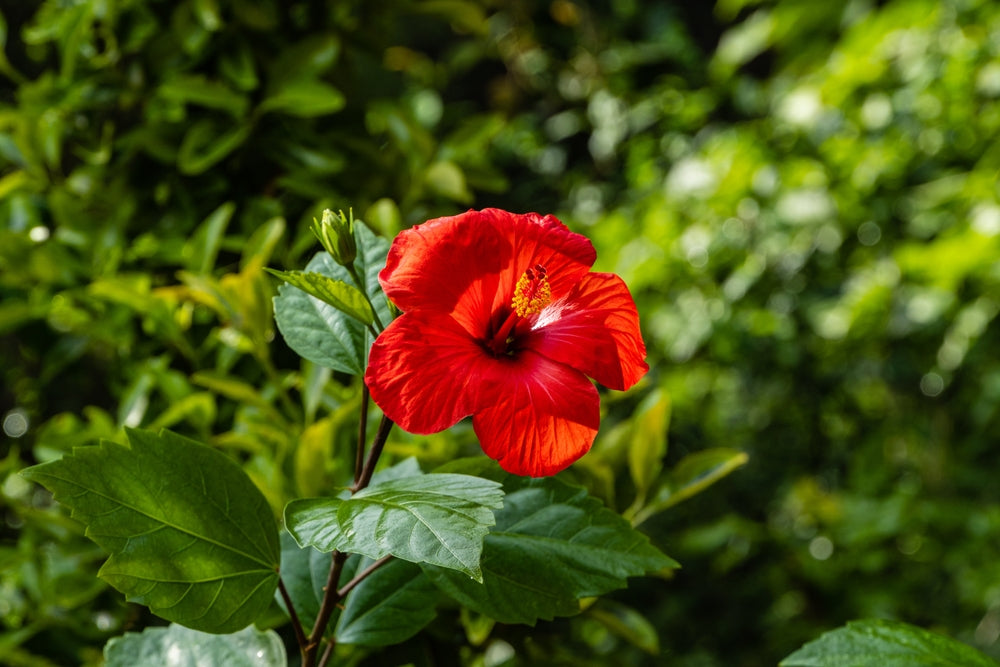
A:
{"x":552,"y":545}
{"x":691,"y":476}
{"x":189,"y":534}
{"x":202,"y":248}
{"x":304,"y":98}
{"x":448,"y":180}
{"x":627,"y":623}
{"x":196,"y":89}
{"x":318,"y":331}
{"x":391,"y":605}
{"x":649,"y":441}
{"x":439,"y":519}
{"x":880,"y":643}
{"x":178,"y":646}
{"x":206,"y":143}
{"x":345,"y":298}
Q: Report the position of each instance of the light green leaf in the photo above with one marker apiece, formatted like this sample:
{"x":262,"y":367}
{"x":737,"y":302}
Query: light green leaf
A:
{"x":691,"y":476}
{"x":304,"y":98}
{"x":178,"y":646}
{"x":448,"y":180}
{"x":880,"y":643}
{"x":196,"y":89}
{"x":189,"y":534}
{"x":552,"y":545}
{"x":345,"y":298}
{"x":438,"y":519}
{"x":649,"y":441}
{"x":627,"y":623}
{"x":202,"y":248}
{"x":319,"y":332}
{"x":391,"y":605}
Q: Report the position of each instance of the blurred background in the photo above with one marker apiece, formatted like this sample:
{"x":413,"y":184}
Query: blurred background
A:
{"x":802,"y":196}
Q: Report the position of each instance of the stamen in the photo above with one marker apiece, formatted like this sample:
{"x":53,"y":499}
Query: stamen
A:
{"x":532,"y":292}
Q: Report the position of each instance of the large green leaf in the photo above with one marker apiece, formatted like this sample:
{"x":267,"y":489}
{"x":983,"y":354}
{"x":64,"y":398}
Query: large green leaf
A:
{"x":318,"y":331}
{"x":189,"y":534}
{"x":439,"y":519}
{"x":552,"y":544}
{"x":880,"y":643}
{"x":391,"y":605}
{"x":178,"y":646}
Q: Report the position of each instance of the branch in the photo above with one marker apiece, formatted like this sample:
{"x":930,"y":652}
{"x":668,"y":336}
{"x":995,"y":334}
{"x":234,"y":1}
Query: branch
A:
{"x":361,"y":576}
{"x":330,"y":600}
{"x":362,"y":435}
{"x":300,"y":635}
{"x":380,"y":437}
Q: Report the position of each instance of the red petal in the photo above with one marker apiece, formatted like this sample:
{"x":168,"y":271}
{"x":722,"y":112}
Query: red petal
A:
{"x":544,"y":417}
{"x":544,"y":240}
{"x":468,"y":264}
{"x":424,"y":372}
{"x":594,"y":329}
{"x":449,"y":265}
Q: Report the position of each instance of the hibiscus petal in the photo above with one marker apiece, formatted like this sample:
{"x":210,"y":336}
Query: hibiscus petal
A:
{"x":449,"y":265}
{"x":594,"y":329}
{"x":425,"y":372}
{"x":543,"y":418}
{"x":468,"y":264}
{"x":539,"y":240}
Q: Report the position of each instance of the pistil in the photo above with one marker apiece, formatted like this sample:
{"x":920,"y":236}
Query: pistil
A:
{"x":531,"y":294}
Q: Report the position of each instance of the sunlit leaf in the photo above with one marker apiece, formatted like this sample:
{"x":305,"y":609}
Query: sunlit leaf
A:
{"x":880,"y":643}
{"x":189,"y":534}
{"x":304,"y":98}
{"x":178,"y":646}
{"x":345,"y":298}
{"x":438,"y":519}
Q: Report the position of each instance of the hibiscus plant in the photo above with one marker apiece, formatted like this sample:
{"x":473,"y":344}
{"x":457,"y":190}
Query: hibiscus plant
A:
{"x":489,"y":315}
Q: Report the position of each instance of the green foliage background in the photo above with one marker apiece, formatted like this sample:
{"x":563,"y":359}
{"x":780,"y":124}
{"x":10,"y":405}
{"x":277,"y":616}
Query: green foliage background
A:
{"x":803,"y":197}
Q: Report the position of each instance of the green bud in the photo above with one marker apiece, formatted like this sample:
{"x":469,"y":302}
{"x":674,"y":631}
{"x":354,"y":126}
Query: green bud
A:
{"x":336,"y":234}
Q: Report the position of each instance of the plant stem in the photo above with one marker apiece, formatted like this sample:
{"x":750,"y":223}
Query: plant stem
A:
{"x":332,"y":596}
{"x":300,"y":635}
{"x":362,"y":433}
{"x":330,"y":600}
{"x":361,"y":576}
{"x":328,"y":653}
{"x":377,"y":444}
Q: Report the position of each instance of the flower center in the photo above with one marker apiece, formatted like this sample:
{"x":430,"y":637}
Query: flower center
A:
{"x":531,"y":294}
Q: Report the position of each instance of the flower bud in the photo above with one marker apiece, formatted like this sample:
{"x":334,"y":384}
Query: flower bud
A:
{"x":336,"y":234}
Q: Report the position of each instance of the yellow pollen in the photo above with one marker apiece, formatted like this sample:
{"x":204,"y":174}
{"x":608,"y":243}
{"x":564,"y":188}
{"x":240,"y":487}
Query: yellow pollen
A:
{"x":532,"y":292}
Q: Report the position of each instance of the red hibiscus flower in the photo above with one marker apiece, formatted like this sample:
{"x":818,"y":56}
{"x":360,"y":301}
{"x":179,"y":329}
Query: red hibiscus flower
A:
{"x":503,"y":320}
